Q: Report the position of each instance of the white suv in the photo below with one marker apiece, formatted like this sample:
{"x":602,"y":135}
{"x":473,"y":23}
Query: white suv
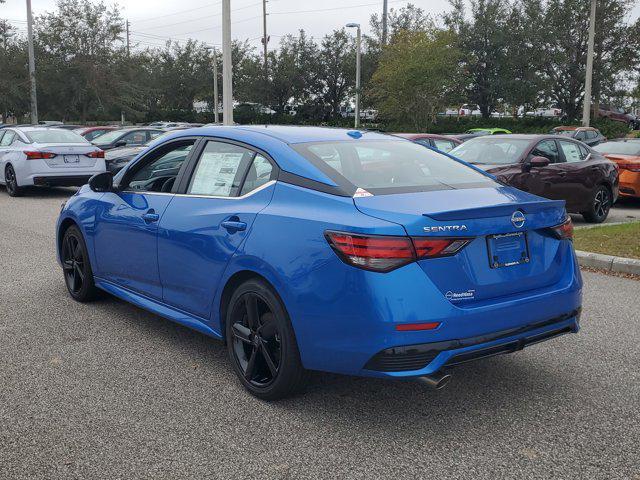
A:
{"x":46,"y":156}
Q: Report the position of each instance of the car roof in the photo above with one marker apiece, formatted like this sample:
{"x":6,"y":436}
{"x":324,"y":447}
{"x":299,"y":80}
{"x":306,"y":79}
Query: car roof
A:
{"x":276,"y":141}
{"x":572,"y":127}
{"x":417,"y":136}
{"x":522,"y":136}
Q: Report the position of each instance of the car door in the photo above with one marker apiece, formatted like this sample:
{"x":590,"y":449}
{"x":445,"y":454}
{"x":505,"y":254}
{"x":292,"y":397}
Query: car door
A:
{"x":126,"y":223}
{"x":208,"y":220}
{"x":582,"y":173}
{"x":545,"y":181}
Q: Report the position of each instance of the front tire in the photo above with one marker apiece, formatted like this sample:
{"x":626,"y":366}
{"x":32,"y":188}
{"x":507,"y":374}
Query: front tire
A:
{"x":600,"y":205}
{"x":78,"y":275}
{"x":261,"y":343}
{"x":11,"y":182}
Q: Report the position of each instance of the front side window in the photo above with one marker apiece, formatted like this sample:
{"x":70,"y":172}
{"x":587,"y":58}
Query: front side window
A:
{"x":220,"y":169}
{"x":389,"y":166}
{"x":547,"y":149}
{"x":571,"y":151}
{"x":159,"y":174}
{"x":135,"y":138}
{"x":491,"y":151}
{"x":581,"y":135}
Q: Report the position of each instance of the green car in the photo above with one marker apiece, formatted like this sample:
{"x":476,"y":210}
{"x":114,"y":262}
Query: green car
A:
{"x":488,"y":131}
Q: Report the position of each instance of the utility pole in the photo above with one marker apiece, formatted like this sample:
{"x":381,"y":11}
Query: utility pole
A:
{"x":384,"y":21}
{"x":128,"y":50}
{"x":216,"y":119}
{"x":358,"y":54}
{"x":227,"y":69}
{"x":32,"y":66}
{"x":586,"y":107}
{"x":215,"y":84}
{"x":265,"y":37}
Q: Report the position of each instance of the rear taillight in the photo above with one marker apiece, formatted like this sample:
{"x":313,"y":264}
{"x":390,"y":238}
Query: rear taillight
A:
{"x":631,"y":167}
{"x":96,"y":154}
{"x":438,"y":247}
{"x":36,"y":155}
{"x":382,"y":253}
{"x":564,"y":231}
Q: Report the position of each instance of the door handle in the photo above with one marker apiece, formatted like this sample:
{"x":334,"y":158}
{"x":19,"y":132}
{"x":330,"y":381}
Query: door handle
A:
{"x":234,"y":226}
{"x":150,"y":217}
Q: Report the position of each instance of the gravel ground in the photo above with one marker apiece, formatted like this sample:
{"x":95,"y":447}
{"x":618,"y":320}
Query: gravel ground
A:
{"x":107,"y":390}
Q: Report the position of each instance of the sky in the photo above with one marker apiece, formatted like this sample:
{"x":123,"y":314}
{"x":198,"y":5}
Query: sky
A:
{"x":155,"y":21}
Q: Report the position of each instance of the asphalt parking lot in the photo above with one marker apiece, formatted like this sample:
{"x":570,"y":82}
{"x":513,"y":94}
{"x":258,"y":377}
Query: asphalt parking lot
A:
{"x":107,"y":390}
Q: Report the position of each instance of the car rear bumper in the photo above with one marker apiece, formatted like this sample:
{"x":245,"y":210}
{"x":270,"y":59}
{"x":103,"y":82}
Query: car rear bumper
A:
{"x":370,"y":306}
{"x":425,"y":359}
{"x":37,"y":172}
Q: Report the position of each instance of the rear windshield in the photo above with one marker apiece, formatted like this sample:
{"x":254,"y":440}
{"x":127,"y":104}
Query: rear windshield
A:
{"x":54,"y":135}
{"x":491,"y":151}
{"x":619,"y":148}
{"x":389,"y":166}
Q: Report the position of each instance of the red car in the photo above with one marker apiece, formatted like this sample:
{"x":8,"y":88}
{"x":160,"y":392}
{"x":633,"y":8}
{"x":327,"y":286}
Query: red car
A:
{"x":90,"y":133}
{"x":431,"y":140}
{"x":550,"y":166}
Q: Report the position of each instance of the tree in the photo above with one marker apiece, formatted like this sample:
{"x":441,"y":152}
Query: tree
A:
{"x":13,"y":80}
{"x":76,"y":47}
{"x":416,"y":76}
{"x":337,"y":77}
{"x":483,"y":40}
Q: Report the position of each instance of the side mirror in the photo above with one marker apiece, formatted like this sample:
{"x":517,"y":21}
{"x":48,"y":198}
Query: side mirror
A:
{"x":121,"y":143}
{"x":536,"y":162}
{"x":101,"y":182}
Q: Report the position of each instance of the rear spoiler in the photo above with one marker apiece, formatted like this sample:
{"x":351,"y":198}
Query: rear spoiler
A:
{"x":502,"y":210}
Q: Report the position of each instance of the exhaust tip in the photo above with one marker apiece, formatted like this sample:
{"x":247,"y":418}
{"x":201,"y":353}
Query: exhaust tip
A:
{"x":435,"y":381}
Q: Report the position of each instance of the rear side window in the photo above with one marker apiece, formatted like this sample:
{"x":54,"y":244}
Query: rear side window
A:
{"x":581,"y":135}
{"x":259,"y":173}
{"x":443,"y":145}
{"x":54,"y":135}
{"x":389,"y":166}
{"x":220,"y":169}
{"x":547,"y":149}
{"x":7,"y":139}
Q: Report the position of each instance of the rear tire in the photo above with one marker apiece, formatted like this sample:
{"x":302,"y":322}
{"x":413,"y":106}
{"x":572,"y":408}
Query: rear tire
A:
{"x":261,"y":343}
{"x":600,"y":205}
{"x":11,"y":182}
{"x":77,"y":271}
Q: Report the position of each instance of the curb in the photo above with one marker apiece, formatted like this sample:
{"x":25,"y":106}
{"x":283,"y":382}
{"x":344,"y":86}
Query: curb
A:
{"x":608,"y":263}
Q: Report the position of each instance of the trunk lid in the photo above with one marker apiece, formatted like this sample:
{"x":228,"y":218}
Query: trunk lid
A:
{"x":470,"y":276}
{"x":68,"y":155}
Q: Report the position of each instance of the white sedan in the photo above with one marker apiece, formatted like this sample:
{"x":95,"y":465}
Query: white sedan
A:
{"x":46,"y":156}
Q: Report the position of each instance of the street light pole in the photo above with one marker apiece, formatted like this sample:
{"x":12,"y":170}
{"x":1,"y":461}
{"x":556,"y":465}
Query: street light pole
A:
{"x":227,"y":70}
{"x":586,"y":107}
{"x":216,"y":118}
{"x":32,"y":66}
{"x":358,"y":55}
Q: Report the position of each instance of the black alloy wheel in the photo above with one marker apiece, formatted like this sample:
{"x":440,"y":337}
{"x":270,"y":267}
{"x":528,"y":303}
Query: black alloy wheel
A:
{"x":600,"y":207}
{"x":75,"y":264}
{"x":11,"y":182}
{"x":261,"y":343}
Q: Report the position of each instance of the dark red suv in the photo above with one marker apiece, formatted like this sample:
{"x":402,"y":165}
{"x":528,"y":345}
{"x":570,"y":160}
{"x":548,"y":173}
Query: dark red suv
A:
{"x":549,"y":166}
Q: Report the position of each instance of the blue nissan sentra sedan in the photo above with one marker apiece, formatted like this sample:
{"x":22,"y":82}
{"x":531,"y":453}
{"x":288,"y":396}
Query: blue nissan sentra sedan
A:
{"x":326,"y":249}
